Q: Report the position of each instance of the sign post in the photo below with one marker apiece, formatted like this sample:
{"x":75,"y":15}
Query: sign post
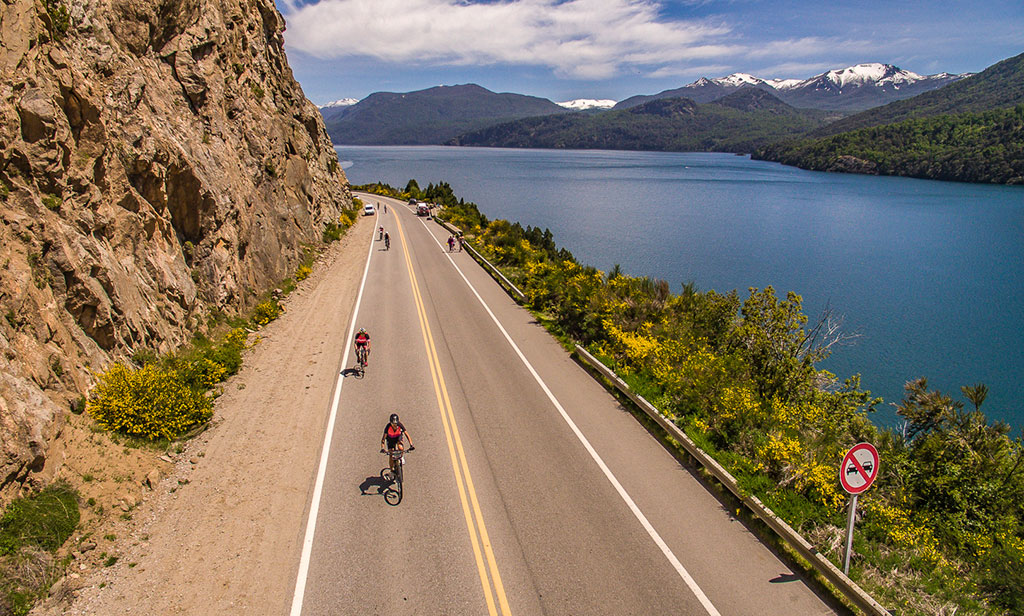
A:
{"x":856,"y":473}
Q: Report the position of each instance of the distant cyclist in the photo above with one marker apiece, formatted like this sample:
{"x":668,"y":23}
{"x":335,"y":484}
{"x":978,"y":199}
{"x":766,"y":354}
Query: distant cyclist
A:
{"x":380,"y":234}
{"x":362,"y":343}
{"x":387,"y":241}
{"x":393,"y":433}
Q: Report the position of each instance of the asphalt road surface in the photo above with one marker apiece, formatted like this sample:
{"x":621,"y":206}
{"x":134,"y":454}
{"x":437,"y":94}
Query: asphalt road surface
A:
{"x":531,"y":490}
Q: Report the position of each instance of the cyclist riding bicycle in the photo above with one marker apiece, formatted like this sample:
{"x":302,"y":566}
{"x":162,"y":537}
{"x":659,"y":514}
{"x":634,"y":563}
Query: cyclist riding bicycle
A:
{"x":393,"y":433}
{"x":362,"y":343}
{"x":387,"y":241}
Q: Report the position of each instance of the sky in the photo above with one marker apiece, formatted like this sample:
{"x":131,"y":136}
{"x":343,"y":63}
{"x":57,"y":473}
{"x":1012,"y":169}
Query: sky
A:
{"x":612,"y":49}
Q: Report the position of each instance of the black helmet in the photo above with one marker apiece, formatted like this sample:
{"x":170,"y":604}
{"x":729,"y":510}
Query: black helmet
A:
{"x":394,"y":418}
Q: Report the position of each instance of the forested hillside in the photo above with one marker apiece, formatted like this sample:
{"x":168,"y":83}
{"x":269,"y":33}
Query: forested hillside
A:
{"x":739,"y":122}
{"x":430,"y":116}
{"x":970,"y":147}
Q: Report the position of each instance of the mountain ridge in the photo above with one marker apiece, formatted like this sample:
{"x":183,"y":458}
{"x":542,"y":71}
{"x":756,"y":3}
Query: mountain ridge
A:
{"x":738,"y":122}
{"x":866,"y":85}
{"x":430,"y":116}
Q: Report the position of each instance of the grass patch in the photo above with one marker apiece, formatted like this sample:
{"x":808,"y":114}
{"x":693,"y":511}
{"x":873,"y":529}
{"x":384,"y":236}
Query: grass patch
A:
{"x":31,"y":530}
{"x":52,"y":202}
{"x":44,"y":520}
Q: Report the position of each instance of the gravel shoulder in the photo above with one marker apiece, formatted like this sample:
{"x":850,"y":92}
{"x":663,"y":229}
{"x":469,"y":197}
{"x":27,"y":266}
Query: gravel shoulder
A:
{"x":221,"y":532}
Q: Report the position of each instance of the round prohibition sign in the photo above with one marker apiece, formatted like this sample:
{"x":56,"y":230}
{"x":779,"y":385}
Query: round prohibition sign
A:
{"x":859,"y":468}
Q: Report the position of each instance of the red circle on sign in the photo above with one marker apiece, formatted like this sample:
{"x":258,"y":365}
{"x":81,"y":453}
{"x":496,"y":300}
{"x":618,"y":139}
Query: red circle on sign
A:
{"x":859,"y":468}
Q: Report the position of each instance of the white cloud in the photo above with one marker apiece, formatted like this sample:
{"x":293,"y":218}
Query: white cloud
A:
{"x":812,"y":47}
{"x":706,"y":70}
{"x":584,"y":39}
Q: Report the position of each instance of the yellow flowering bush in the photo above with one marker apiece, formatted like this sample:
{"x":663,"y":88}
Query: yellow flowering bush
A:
{"x":151,"y":403}
{"x":266,"y":312}
{"x":898,"y":527}
{"x":303,"y":272}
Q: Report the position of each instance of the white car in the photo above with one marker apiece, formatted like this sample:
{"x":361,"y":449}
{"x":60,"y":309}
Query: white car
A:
{"x":369,"y":210}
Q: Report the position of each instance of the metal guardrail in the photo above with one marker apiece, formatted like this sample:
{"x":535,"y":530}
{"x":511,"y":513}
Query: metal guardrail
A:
{"x":822,"y":565}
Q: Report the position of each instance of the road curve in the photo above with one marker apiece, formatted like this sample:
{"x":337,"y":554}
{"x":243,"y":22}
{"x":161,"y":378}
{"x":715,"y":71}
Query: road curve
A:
{"x":531,"y":490}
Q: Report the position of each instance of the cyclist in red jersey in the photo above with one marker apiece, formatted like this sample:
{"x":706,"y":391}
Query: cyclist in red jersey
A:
{"x":393,"y":433}
{"x":362,"y":341}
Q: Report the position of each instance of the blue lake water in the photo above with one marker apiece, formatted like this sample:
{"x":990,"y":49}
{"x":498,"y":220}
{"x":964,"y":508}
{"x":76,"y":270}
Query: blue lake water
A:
{"x":930,"y":275}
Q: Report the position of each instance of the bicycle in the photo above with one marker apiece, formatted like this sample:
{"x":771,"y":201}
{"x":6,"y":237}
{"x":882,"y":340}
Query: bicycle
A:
{"x":362,"y":354}
{"x":394,"y":473}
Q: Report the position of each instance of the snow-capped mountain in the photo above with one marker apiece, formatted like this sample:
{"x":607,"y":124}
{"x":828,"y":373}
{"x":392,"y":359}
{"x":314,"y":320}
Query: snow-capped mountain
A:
{"x":849,"y":89}
{"x":335,"y":109}
{"x":880,"y":75}
{"x":581,"y":104}
{"x":341,"y":102}
{"x":738,"y":80}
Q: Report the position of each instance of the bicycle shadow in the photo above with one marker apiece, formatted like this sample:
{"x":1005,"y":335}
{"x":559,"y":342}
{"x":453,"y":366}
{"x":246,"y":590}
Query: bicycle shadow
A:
{"x":376,"y":481}
{"x":385,"y":488}
{"x":356,"y":372}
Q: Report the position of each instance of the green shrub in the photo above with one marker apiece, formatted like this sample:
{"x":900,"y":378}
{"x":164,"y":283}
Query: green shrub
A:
{"x":60,"y":18}
{"x":257,"y":91}
{"x":40,"y":273}
{"x":52,"y":202}
{"x":205,"y":363}
{"x":44,"y":520}
{"x":144,"y":357}
{"x":333,"y":232}
{"x":150,"y":403}
{"x":1002,"y":574}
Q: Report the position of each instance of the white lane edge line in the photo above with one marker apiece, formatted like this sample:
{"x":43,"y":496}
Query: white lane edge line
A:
{"x":314,"y":509}
{"x":678,"y":566}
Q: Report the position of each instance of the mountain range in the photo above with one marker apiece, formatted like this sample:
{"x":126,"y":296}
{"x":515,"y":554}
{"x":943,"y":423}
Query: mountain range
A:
{"x":737,"y":122}
{"x":444,"y":113}
{"x":970,"y":131}
{"x":854,"y":88}
{"x":955,"y":127}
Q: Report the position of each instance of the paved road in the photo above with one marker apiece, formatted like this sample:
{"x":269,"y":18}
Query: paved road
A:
{"x":531,"y":491}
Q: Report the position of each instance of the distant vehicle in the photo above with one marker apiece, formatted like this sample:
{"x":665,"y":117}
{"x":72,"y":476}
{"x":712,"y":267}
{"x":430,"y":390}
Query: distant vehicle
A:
{"x":412,"y":202}
{"x":369,"y":210}
{"x":423,"y":210}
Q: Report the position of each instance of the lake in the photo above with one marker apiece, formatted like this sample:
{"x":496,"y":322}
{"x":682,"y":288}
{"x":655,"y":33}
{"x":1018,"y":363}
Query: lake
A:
{"x":929,"y":275}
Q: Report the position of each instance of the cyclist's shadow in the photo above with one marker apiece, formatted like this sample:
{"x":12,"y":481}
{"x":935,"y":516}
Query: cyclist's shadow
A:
{"x":375,"y":481}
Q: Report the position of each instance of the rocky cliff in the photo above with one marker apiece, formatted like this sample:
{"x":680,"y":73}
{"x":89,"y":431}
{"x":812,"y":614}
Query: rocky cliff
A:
{"x":157,"y":161}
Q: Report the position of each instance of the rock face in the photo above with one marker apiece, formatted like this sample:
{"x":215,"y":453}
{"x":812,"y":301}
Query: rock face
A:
{"x":157,"y":160}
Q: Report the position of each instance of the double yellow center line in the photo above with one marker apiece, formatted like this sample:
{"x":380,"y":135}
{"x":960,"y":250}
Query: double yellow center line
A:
{"x":475,"y":519}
